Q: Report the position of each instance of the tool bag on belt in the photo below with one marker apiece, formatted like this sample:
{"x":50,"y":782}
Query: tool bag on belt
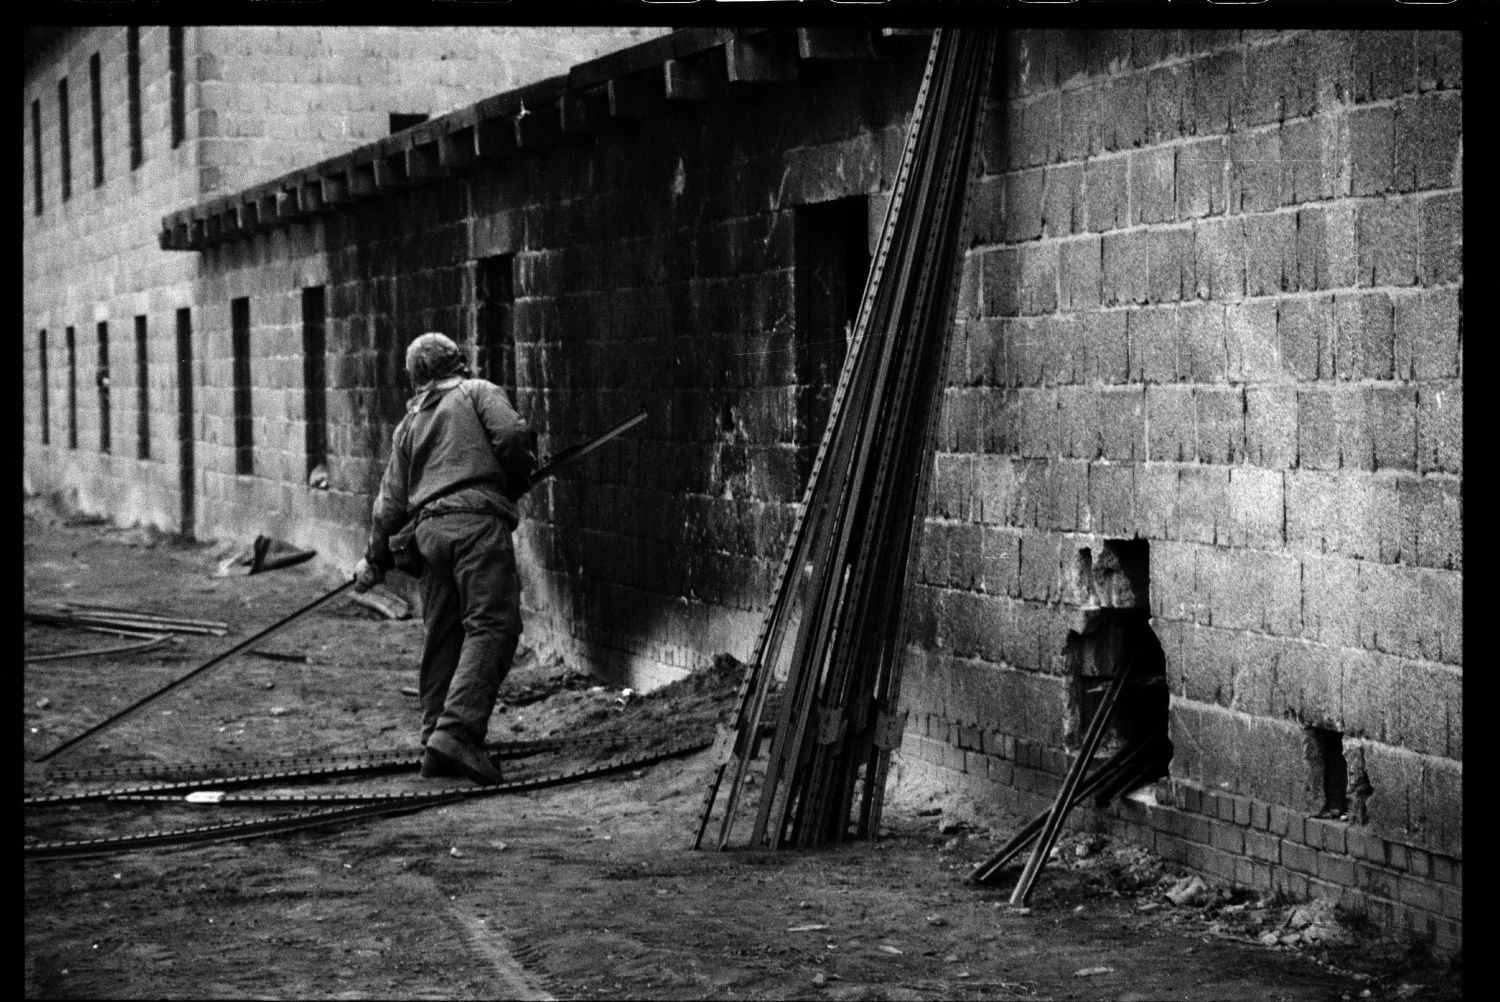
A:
{"x":404,"y":549}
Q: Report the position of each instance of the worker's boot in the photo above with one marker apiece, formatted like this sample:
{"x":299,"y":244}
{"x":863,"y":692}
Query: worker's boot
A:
{"x":437,"y":767}
{"x":444,"y":750}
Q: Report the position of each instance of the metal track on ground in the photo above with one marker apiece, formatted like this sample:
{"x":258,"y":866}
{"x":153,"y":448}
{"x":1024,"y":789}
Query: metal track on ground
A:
{"x":372,"y":805}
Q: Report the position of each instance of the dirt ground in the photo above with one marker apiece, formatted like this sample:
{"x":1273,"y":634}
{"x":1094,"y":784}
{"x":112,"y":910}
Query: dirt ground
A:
{"x":586,"y":890}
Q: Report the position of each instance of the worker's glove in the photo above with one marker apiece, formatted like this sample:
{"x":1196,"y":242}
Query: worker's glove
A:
{"x":367,"y":576}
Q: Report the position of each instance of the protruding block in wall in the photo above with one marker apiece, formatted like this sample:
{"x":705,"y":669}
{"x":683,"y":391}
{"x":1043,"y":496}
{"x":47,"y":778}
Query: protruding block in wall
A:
{"x":760,"y":59}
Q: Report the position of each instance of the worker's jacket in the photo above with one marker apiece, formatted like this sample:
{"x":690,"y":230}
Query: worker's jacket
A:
{"x":462,"y":447}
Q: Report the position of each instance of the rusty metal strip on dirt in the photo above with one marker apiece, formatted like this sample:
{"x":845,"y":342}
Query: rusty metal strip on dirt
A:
{"x":389,"y":804}
{"x":324,"y":767}
{"x":225,"y":832}
{"x":531,"y":783}
{"x":373,"y":760}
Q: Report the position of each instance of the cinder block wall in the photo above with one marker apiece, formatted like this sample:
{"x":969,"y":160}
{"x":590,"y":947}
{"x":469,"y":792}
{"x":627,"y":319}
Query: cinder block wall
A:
{"x":93,"y":258}
{"x":1215,"y":303}
{"x":1211,"y":303}
{"x":259,"y":101}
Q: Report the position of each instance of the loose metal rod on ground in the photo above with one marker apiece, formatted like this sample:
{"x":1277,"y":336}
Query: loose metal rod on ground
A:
{"x":213,"y":662}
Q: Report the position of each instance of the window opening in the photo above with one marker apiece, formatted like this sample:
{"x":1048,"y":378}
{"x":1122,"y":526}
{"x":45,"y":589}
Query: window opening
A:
{"x":142,"y":391}
{"x":70,"y":343}
{"x":101,"y":380}
{"x":46,"y":381}
{"x":186,"y":458}
{"x":96,"y":113}
{"x":315,"y":384}
{"x":64,"y":152}
{"x":832,"y":263}
{"x":133,"y":93}
{"x":36,"y":154}
{"x":244,"y":455}
{"x":178,"y":85}
{"x":495,"y":289}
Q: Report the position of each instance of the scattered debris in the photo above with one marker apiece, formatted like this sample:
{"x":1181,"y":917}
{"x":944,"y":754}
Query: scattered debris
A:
{"x":407,"y":690}
{"x":126,"y":623}
{"x":1188,"y":892}
{"x":279,"y":711}
{"x":268,"y":554}
{"x":806,"y":928}
{"x":1089,"y":972}
{"x":894,"y":951}
{"x":455,"y":853}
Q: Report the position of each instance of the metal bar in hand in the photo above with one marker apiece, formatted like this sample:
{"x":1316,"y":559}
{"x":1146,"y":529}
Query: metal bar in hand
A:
{"x":573,"y":453}
{"x":214,"y":662}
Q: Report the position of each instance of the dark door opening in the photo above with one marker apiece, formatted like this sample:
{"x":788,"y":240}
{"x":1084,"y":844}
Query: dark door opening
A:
{"x":244,"y":420}
{"x":832,"y":248}
{"x":101,"y":380}
{"x":186,"y":460}
{"x":315,"y":385}
{"x":495,"y":295}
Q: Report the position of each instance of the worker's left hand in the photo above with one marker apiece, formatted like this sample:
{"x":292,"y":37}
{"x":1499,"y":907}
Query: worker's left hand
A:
{"x":367,"y":576}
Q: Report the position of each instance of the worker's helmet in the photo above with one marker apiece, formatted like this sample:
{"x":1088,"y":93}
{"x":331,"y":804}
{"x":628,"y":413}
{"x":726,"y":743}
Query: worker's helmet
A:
{"x":433,"y":356}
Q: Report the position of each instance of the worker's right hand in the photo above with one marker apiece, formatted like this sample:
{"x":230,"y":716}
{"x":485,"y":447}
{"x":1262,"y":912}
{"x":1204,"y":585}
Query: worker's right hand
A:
{"x":367,"y":576}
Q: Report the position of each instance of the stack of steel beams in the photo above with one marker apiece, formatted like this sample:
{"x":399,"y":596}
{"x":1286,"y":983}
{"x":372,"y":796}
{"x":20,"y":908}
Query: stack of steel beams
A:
{"x":841,"y":592}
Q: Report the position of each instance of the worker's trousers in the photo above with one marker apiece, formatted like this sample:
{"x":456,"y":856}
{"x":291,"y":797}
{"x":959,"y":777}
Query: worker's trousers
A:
{"x":471,"y":607}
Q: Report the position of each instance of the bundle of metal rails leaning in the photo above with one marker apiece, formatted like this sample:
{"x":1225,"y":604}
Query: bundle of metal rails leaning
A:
{"x":665,"y":745}
{"x":865,"y":500}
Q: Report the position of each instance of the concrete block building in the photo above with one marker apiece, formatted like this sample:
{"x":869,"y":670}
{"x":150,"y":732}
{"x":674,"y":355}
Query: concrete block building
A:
{"x":1205,"y":397}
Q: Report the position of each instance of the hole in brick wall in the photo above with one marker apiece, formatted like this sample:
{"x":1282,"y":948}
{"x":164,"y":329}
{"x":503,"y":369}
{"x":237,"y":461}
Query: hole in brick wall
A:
{"x":1328,"y":773}
{"x":1116,"y":629}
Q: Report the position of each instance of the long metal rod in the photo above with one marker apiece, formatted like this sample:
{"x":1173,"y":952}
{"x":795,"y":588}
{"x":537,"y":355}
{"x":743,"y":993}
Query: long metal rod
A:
{"x":213,"y":662}
{"x":1063,"y":803}
{"x":573,"y":453}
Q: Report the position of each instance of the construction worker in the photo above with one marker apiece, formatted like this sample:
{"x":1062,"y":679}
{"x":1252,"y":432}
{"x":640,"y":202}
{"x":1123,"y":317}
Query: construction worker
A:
{"x":460,"y":459}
